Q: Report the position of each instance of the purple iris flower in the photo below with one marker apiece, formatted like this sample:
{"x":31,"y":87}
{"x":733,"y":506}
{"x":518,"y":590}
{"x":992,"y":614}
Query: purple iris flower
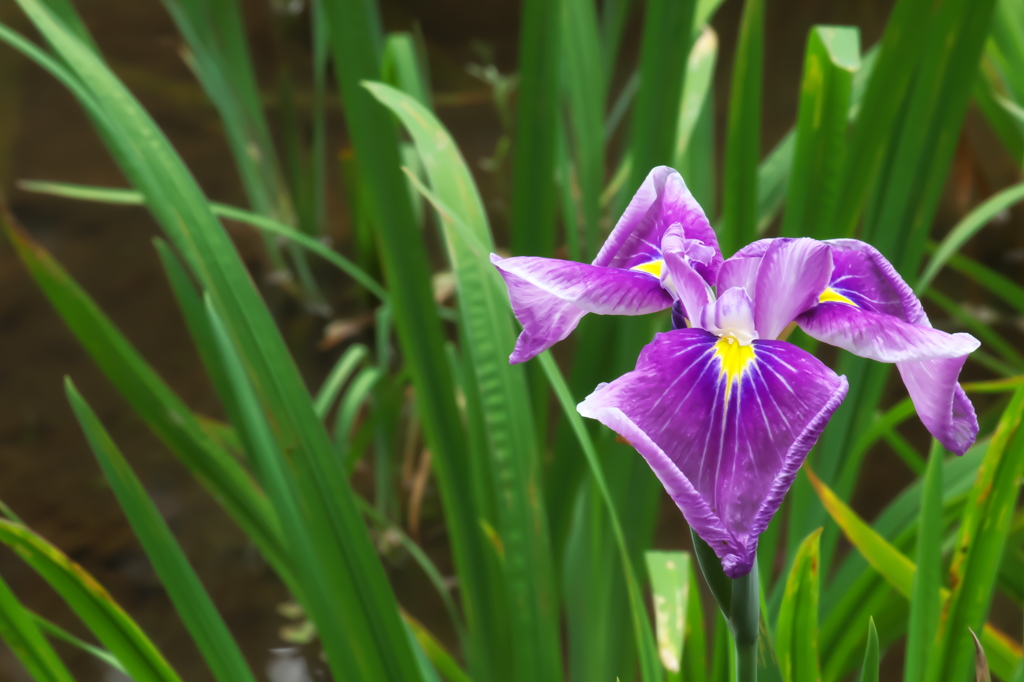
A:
{"x":722,"y":410}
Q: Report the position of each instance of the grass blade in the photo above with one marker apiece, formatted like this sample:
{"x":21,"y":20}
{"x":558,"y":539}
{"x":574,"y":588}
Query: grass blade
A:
{"x":905,"y":200}
{"x":662,"y":74}
{"x":339,"y":374}
{"x":585,"y":90}
{"x":898,"y":571}
{"x":63,"y":635}
{"x":832,"y":58}
{"x":188,"y":595}
{"x":165,"y":414}
{"x":968,"y":226}
{"x":402,"y":69}
{"x":743,"y":134}
{"x":797,"y":629}
{"x":924,"y":594}
{"x":980,"y":545}
{"x":366,"y":637}
{"x":647,"y":651}
{"x":127,"y":197}
{"x":534,"y":192}
{"x":869,"y":671}
{"x":302,"y":528}
{"x":505,"y":403}
{"x":999,"y":285}
{"x":20,"y":631}
{"x":97,"y":609}
{"x":899,"y":53}
{"x":354,"y":28}
{"x":696,"y":98}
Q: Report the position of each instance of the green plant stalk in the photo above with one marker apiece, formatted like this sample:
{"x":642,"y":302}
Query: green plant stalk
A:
{"x":744,"y":619}
{"x":739,"y":599}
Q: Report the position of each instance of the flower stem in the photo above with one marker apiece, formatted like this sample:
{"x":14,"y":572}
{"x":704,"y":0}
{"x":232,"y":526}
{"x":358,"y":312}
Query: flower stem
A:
{"x":744,"y":620}
{"x":740,"y":601}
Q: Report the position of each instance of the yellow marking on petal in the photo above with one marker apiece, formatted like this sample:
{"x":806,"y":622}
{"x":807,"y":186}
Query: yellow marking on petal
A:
{"x":833,"y":295}
{"x":733,"y":358}
{"x":652,"y":268}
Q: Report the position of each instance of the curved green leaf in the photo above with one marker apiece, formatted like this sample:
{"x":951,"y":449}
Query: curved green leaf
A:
{"x":20,"y":631}
{"x":93,"y":604}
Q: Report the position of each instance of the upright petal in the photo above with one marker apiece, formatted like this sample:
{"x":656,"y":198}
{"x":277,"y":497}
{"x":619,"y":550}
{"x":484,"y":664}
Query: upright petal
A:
{"x":730,"y":317}
{"x":870,"y":311}
{"x":682,"y":280}
{"x":662,"y":201}
{"x":791,"y":276}
{"x":550,"y":296}
{"x":738,"y":272}
{"x":724,"y":427}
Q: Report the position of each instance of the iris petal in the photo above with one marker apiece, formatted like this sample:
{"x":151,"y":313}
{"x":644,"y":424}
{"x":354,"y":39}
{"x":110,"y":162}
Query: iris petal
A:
{"x":882,"y":319}
{"x":791,"y":276}
{"x":682,"y":279}
{"x":724,"y":429}
{"x":941,"y":404}
{"x":550,"y":296}
{"x":662,"y":202}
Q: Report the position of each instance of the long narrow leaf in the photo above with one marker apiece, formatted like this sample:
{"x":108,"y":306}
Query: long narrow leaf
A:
{"x":370,"y":635}
{"x":869,"y":670}
{"x":189,"y":596}
{"x":502,"y":389}
{"x":898,"y":570}
{"x":87,"y":598}
{"x":670,"y":574}
{"x":19,"y":630}
{"x":797,"y":629}
{"x":979,"y":550}
{"x":111,"y":195}
{"x":165,"y":413}
{"x":533,"y":156}
{"x":833,"y":55}
{"x":924,"y":594}
{"x":743,"y":134}
{"x":644,"y":638}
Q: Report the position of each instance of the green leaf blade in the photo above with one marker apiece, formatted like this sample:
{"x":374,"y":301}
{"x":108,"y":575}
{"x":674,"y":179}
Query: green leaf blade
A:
{"x":187,"y":593}
{"x":797,"y":629}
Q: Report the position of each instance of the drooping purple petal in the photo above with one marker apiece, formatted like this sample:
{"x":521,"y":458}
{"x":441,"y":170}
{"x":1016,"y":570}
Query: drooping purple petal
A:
{"x":791,"y":276}
{"x":663,"y":201}
{"x":870,"y":311}
{"x":863,"y":275}
{"x":881,"y":337}
{"x":725,"y":428}
{"x":941,"y":404}
{"x":549,"y":297}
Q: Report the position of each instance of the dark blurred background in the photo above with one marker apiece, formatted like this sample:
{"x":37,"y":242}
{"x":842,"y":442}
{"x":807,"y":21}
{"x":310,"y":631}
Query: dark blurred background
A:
{"x":47,"y":473}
